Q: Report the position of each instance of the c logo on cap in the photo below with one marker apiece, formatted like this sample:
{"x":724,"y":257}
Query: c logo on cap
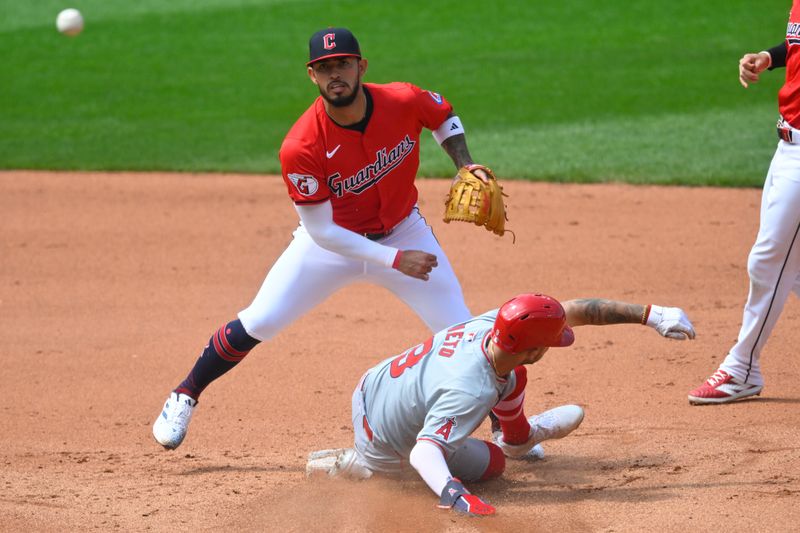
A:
{"x":328,"y":42}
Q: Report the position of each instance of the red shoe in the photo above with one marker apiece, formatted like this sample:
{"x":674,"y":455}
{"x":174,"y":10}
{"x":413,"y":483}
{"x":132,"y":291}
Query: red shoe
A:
{"x":722,"y":388}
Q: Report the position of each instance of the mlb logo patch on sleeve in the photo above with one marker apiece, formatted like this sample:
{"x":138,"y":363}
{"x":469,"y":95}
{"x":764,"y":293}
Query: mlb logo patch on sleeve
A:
{"x":305,"y":185}
{"x":436,"y":97}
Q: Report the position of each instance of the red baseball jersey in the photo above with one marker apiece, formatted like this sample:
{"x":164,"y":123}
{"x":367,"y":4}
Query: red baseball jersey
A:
{"x":368,"y":177}
{"x":789,"y":95}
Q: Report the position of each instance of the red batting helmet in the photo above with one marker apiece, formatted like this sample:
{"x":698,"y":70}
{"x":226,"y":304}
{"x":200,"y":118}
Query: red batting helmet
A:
{"x":531,"y":321}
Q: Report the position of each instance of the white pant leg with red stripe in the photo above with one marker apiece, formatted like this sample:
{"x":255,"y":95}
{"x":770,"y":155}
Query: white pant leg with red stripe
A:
{"x":773,"y":264}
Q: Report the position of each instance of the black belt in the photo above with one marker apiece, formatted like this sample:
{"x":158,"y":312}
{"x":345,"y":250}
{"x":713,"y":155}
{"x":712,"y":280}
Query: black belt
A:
{"x":377,"y":236}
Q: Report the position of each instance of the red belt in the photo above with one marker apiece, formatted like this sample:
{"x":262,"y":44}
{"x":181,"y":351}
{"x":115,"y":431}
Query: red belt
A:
{"x":785,"y":134}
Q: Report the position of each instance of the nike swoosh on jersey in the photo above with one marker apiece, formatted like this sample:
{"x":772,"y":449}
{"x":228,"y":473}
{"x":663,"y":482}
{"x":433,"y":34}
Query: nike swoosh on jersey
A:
{"x":333,"y":152}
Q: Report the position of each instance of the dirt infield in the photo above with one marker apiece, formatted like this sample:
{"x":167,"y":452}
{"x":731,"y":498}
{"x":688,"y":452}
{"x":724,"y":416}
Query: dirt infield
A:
{"x":110,"y":285}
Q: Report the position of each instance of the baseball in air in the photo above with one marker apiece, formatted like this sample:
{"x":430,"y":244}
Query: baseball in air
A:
{"x":70,"y":22}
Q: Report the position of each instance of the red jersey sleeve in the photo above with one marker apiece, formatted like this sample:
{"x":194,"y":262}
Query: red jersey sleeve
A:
{"x":303,"y":174}
{"x":432,"y":108}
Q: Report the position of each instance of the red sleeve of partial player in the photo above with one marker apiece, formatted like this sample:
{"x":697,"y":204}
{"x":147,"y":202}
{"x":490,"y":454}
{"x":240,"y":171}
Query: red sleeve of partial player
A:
{"x":510,"y":412}
{"x":302,"y":172}
{"x":432,"y":108}
{"x":789,"y":94}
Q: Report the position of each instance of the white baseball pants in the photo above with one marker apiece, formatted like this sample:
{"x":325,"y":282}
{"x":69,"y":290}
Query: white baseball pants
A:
{"x":773,"y":264}
{"x":306,"y":274}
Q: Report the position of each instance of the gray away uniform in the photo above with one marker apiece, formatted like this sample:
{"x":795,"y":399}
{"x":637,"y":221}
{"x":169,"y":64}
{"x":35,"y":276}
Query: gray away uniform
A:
{"x":440,"y":390}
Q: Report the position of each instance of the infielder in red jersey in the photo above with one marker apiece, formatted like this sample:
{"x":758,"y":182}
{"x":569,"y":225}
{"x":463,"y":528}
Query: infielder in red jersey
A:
{"x":774,"y":261}
{"x":415,"y":412}
{"x":367,"y":176}
{"x":349,"y":163}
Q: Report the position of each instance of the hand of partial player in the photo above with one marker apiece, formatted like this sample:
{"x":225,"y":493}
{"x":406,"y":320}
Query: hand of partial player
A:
{"x":481,"y":174}
{"x":750,"y":66}
{"x":670,"y":322}
{"x":478,"y":173}
{"x":417,"y":264}
{"x":458,"y":498}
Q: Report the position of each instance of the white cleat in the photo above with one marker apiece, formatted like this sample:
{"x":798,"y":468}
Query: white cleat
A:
{"x":339,"y":462}
{"x":535,"y":454}
{"x":556,"y":423}
{"x":171,"y":425}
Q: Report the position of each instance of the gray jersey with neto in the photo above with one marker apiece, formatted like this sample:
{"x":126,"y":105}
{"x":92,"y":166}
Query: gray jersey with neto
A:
{"x":440,"y":390}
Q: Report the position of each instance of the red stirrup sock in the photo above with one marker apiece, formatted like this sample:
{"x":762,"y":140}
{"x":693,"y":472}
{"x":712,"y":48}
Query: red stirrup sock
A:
{"x":509,"y":411}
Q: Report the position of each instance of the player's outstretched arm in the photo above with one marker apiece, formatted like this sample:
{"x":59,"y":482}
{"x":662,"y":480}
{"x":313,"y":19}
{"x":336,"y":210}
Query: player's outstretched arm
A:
{"x":669,"y":322}
{"x":455,"y":145}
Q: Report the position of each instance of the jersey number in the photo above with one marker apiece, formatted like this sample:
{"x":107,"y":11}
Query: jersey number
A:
{"x":410,"y":358}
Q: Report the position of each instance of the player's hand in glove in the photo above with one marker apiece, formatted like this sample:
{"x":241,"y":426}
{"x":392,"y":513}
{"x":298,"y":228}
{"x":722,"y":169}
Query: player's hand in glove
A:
{"x":415,"y":263}
{"x":670,"y":322}
{"x":458,"y":498}
{"x":482,"y":172}
{"x":476,"y":196}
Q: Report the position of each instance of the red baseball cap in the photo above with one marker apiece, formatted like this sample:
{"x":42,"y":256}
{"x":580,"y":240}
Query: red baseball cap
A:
{"x":332,"y":42}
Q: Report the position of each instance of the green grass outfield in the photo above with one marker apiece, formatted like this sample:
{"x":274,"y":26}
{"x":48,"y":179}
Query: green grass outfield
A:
{"x":637,"y":90}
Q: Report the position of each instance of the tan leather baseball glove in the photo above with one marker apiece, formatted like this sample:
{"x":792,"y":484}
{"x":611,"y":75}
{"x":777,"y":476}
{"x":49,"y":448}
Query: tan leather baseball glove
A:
{"x":471,"y":199}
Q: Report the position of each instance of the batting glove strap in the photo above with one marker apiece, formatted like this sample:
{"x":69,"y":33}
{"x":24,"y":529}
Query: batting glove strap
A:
{"x":456,"y":497}
{"x":451,"y":493}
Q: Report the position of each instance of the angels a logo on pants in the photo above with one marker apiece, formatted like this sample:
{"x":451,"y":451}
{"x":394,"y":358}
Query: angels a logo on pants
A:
{"x":305,"y":185}
{"x":445,"y":428}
